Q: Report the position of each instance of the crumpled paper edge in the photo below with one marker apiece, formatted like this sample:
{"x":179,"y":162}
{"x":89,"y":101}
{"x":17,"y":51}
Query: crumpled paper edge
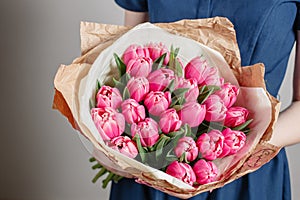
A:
{"x":92,"y":47}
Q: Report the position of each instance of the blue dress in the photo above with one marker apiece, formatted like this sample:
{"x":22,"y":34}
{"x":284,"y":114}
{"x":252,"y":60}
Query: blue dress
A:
{"x":265,"y":33}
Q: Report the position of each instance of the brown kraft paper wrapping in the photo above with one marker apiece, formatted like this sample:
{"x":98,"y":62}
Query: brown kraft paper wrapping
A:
{"x":217,"y":33}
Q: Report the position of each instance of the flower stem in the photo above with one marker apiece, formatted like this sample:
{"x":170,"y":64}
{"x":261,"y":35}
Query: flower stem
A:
{"x":107,"y":179}
{"x":99,"y":174}
{"x":97,"y":166}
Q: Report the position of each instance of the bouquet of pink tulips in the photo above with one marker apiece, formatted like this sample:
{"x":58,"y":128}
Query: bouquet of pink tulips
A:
{"x":174,"y":117}
{"x":168,"y":105}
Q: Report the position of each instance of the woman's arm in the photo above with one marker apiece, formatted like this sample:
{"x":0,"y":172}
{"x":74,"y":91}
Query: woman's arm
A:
{"x":287,"y":129}
{"x":135,"y":18}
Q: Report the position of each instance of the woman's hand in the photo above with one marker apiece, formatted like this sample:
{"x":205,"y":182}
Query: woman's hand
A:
{"x":135,"y":18}
{"x":287,"y":129}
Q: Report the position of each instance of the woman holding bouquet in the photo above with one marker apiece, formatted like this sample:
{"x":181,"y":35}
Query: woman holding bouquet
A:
{"x":266,"y":32}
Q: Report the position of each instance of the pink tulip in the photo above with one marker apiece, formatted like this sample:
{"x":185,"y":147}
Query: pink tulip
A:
{"x":228,"y":94}
{"x":160,"y":79}
{"x":158,"y":49}
{"x":108,"y":97}
{"x":124,"y":145}
{"x":215,"y":109}
{"x":233,"y":141}
{"x":206,"y":172}
{"x":138,"y":88}
{"x":192,"y":113}
{"x":236,"y":116}
{"x":169,"y":121}
{"x":210,"y":144}
{"x":202,"y":72}
{"x":133,"y":111}
{"x":157,"y":102}
{"x":186,"y":146}
{"x":139,"y":67}
{"x":182,"y":171}
{"x":134,"y":51}
{"x":109,"y":122}
{"x":191,"y":83}
{"x":147,"y":130}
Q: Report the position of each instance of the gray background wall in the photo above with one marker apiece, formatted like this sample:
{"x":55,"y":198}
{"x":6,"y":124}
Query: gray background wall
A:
{"x":41,"y":156}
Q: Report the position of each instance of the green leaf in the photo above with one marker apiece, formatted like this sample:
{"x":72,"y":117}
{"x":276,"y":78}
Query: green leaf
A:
{"x":176,"y":133}
{"x":92,"y":105}
{"x":174,"y":101}
{"x":158,"y":63}
{"x":127,"y":78}
{"x":160,"y":147}
{"x":121,"y":66}
{"x":142,"y":151}
{"x":174,"y":52}
{"x":178,"y":69}
{"x":116,"y":82}
{"x":181,"y":101}
{"x":202,"y":89}
{"x":98,"y":86}
{"x":119,"y":85}
{"x":182,"y":157}
{"x":244,"y":125}
{"x":178,"y":96}
{"x":177,"y":107}
{"x":124,"y":79}
{"x":171,"y":86}
{"x":174,"y":64}
{"x":126,"y":94}
{"x":180,"y":92}
{"x":206,"y":92}
{"x":171,"y":158}
{"x":188,"y":131}
{"x":213,"y":126}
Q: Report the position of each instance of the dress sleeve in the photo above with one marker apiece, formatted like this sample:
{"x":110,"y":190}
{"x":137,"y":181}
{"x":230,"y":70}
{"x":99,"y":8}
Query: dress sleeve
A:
{"x":133,"y":5}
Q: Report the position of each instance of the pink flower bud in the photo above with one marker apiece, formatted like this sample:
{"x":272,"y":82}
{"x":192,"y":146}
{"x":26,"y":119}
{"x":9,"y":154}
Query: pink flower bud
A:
{"x":202,"y":72}
{"x":138,"y":88}
{"x":139,"y":67}
{"x":158,"y":49}
{"x":169,"y":121}
{"x":210,"y":144}
{"x":108,"y":97}
{"x":228,"y":94}
{"x":124,"y":145}
{"x":236,"y":116}
{"x":157,"y":102}
{"x":147,"y":130}
{"x":206,"y":172}
{"x":186,"y":146}
{"x":133,"y":111}
{"x":192,"y":113}
{"x":160,"y":79}
{"x":134,"y":51}
{"x":110,"y":123}
{"x":215,"y":109}
{"x":191,"y":83}
{"x":233,"y":141}
{"x":182,"y":171}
